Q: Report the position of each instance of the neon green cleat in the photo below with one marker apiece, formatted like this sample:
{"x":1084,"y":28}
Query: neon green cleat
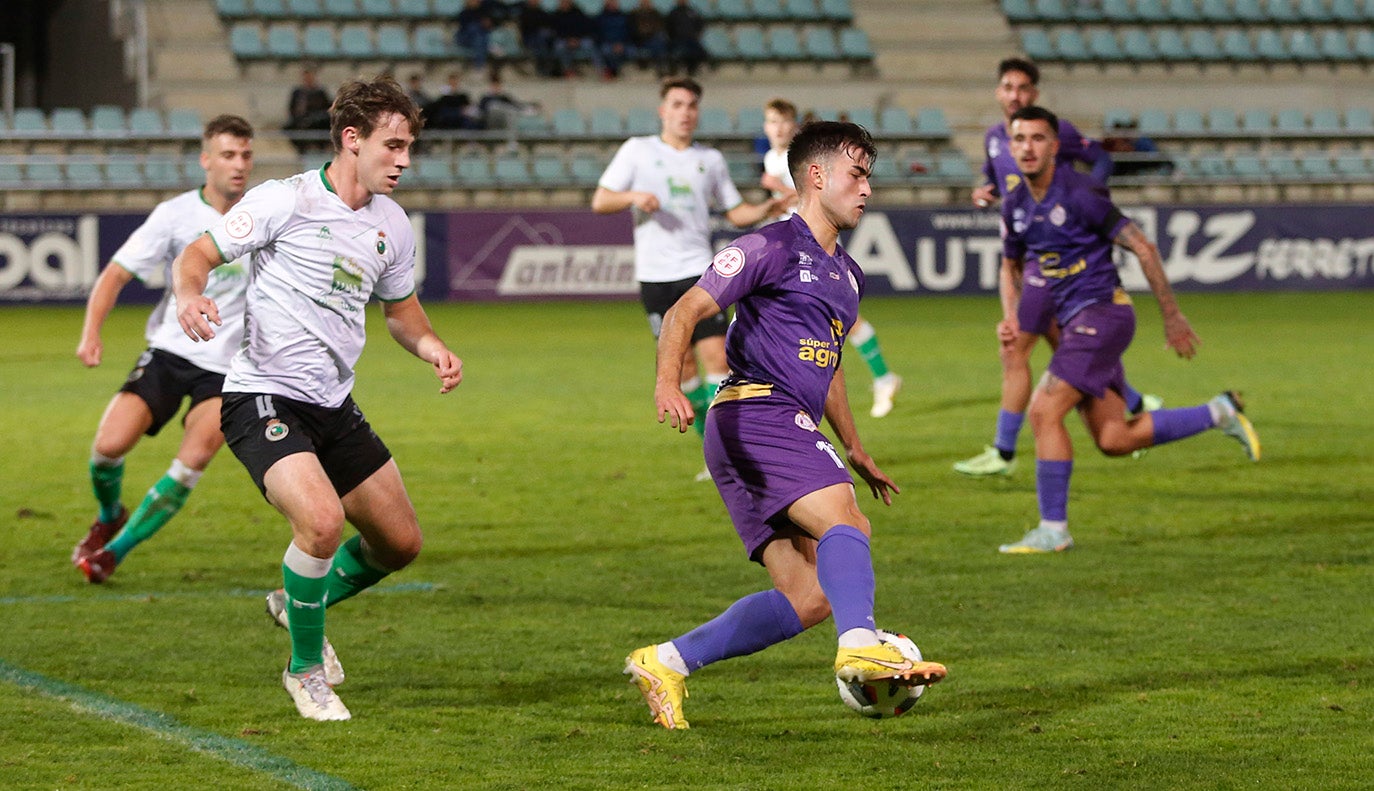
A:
{"x":884,"y":661}
{"x":663,"y":688}
{"x":1236,"y":425}
{"x":986,"y":464}
{"x":1148,"y":403}
{"x":1041,"y":540}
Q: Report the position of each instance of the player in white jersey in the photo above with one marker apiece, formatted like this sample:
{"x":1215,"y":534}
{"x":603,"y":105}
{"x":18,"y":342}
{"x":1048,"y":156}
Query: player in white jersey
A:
{"x":173,"y":368}
{"x":671,"y":184}
{"x":322,"y":243}
{"x":780,"y":126}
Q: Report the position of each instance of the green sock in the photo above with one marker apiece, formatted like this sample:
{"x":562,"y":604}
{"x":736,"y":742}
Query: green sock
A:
{"x":162,"y":503}
{"x":873,"y":355}
{"x":305,"y":602}
{"x":351,"y":573}
{"x":107,"y":481}
{"x":701,"y":401}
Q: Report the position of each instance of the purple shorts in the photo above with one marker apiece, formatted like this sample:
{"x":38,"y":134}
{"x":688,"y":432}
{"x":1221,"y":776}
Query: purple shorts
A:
{"x":1036,"y":309}
{"x":1090,"y":348}
{"x":765,"y":454}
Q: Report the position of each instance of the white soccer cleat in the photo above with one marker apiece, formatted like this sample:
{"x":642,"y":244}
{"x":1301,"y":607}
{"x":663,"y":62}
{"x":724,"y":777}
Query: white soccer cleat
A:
{"x":885,"y":390}
{"x":313,"y":696}
{"x":276,"y":610}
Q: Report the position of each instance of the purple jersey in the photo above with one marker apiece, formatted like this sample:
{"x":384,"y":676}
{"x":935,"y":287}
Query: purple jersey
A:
{"x":1068,"y":235}
{"x":999,"y":169}
{"x":794,"y":304}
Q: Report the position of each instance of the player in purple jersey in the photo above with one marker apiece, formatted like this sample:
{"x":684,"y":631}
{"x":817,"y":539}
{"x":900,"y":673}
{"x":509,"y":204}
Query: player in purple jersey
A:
{"x":1018,"y":86}
{"x":1064,"y":224}
{"x":796,"y":296}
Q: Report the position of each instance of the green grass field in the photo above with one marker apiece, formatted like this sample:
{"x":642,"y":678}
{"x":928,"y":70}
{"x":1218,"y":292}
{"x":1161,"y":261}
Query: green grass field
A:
{"x":1213,"y":628}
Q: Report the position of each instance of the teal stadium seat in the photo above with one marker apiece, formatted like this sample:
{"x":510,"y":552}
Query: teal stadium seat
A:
{"x":376,"y":9}
{"x":895,"y":122}
{"x":768,"y":10}
{"x":245,"y":41}
{"x":1202,"y":46}
{"x":1136,"y":45}
{"x":1189,"y":122}
{"x":605,"y":122}
{"x":1291,"y":122}
{"x":820,"y":44}
{"x":1151,"y":11}
{"x":448,"y":9}
{"x":1153,"y":122}
{"x":108,"y":120}
{"x":1257,"y":122}
{"x":749,"y":120}
{"x":784,"y":45}
{"x":43,"y":174}
{"x":1326,"y":121}
{"x":84,"y":175}
{"x":1302,"y":47}
{"x":1171,"y":46}
{"x":744,"y":168}
{"x":803,"y":11}
{"x":431,"y":171}
{"x":1283,"y":166}
{"x":837,"y":11}
{"x":11,"y":176}
{"x":1269,"y":46}
{"x":68,"y":122}
{"x":1359,"y":121}
{"x":1248,"y":167}
{"x":1235,"y":47}
{"x":430,"y":41}
{"x":183,"y":122}
{"x":283,"y":41}
{"x":930,"y":122}
{"x":393,"y":42}
{"x":412,"y":9}
{"x":1314,"y":12}
{"x":162,"y":173}
{"x":750,"y":43}
{"x":569,"y":123}
{"x":1213,"y":166}
{"x":1334,"y":46}
{"x":270,"y":9}
{"x":866,"y":117}
{"x":123,"y":173}
{"x":1020,"y":11}
{"x":954,"y":167}
{"x":233,"y":9}
{"x":355,"y":41}
{"x":1086,"y":13}
{"x":1364,"y":44}
{"x":886,"y":170}
{"x":1217,"y":12}
{"x":640,"y":120}
{"x":1103,"y":46}
{"x":305,"y":9}
{"x":854,"y":45}
{"x":146,"y":122}
{"x":1118,"y":12}
{"x":318,"y":41}
{"x":732,"y":11}
{"x":1316,"y":165}
{"x":343,"y":9}
{"x":1052,"y":11}
{"x":714,"y":122}
{"x":1352,"y":165}
{"x":1281,"y":12}
{"x":1183,"y":12}
{"x":549,"y":170}
{"x":1222,"y":122}
{"x":1352,"y":12}
{"x":586,"y":169}
{"x":1249,"y":12}
{"x":718,"y":44}
{"x":475,"y":171}
{"x":1035,"y":42}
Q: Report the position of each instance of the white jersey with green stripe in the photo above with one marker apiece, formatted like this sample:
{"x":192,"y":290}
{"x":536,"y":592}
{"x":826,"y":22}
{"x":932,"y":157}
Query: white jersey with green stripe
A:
{"x":315,"y":262}
{"x":148,"y":254}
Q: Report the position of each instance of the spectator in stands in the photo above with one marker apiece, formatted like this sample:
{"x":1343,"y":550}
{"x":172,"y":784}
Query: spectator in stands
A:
{"x":474,"y":31}
{"x":417,"y":90}
{"x":454,"y":108}
{"x":307,"y":110}
{"x":498,"y":108}
{"x":685,"y":26}
{"x":613,"y":37}
{"x":574,"y":38}
{"x":1141,"y":155}
{"x":536,"y":35}
{"x":649,"y":35}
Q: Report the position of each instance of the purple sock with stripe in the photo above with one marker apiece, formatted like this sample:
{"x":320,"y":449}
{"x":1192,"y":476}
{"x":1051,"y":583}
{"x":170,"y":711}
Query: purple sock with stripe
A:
{"x":1174,"y":424}
{"x":1052,"y":489}
{"x":750,"y":624}
{"x":844,"y":567}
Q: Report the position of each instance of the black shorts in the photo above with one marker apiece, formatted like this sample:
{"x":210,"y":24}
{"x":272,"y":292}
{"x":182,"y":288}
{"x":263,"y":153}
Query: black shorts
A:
{"x":163,"y":380}
{"x":658,"y":297}
{"x":263,"y":429}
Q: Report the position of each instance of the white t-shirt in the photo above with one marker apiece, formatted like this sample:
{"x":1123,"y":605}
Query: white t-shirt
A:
{"x":775,"y":164}
{"x":673,"y":243}
{"x":315,"y":263}
{"x":148,"y":254}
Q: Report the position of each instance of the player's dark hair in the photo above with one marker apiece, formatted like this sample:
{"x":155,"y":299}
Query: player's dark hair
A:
{"x":782,"y":107}
{"x":226,"y":124}
{"x":819,"y":141}
{"x":361,"y":104}
{"x":1034,"y":113}
{"x":686,"y":83}
{"x":1022,"y":65}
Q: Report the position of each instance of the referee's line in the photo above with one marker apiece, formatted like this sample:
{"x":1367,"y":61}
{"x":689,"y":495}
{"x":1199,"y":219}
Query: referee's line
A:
{"x":402,"y":587}
{"x":234,"y":751}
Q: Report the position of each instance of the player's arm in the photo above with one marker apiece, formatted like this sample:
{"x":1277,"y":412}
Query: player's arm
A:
{"x":98,"y":306}
{"x":408,"y":323}
{"x":674,"y":339}
{"x":1096,"y":157}
{"x":746,"y":214}
{"x":609,"y":201}
{"x":1178,"y":334}
{"x":984,"y":195}
{"x":841,"y":419}
{"x":190,"y":273}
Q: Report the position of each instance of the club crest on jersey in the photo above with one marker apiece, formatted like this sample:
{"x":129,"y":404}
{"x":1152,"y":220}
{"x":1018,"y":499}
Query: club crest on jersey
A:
{"x":381,"y":243}
{"x":804,"y":422}
{"x":728,"y":262}
{"x":238,"y":225}
{"x":276,"y":430}
{"x":1058,"y":215}
{"x":805,"y":276}
{"x":1013,"y":181}
{"x":853,"y":282}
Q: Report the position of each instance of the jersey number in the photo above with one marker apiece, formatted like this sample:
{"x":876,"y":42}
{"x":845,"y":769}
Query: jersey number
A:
{"x":829,"y":449}
{"x":265,"y":408}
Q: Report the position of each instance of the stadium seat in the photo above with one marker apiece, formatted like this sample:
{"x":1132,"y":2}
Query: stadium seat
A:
{"x":784,"y":44}
{"x":1282,"y":165}
{"x":43,"y":174}
{"x":1364,"y":43}
{"x":1359,"y":120}
{"x":123,"y":173}
{"x":232,"y":9}
{"x":1314,"y":12}
{"x":355,"y":41}
{"x":1036,"y":43}
{"x":1216,"y":12}
{"x":718,"y":44}
{"x":768,"y":10}
{"x":895,"y":122}
{"x":549,"y":170}
{"x":1316,"y":165}
{"x":749,"y":120}
{"x":606,"y":123}
{"x":1118,"y":12}
{"x":750,"y":44}
{"x":1281,"y":12}
{"x":283,"y":41}
{"x":393,"y":42}
{"x":744,"y":168}
{"x":182,"y":122}
{"x":1257,"y":122}
{"x":448,"y":9}
{"x":1188,"y":121}
{"x":376,"y":9}
{"x":866,"y":117}
{"x":803,"y":11}
{"x":431,"y":41}
{"x":954,"y":166}
{"x":854,"y":44}
{"x":1103,"y":46}
{"x":318,"y":41}
{"x":1151,"y":11}
{"x":1352,"y":165}
{"x":1352,"y":12}
{"x":1335,"y":47}
{"x":819,"y":43}
{"x":930,"y":122}
{"x":1291,"y":122}
{"x":1212,"y":166}
{"x":886,"y":170}
{"x":640,"y":120}
{"x":475,"y":171}
{"x":82,"y":174}
{"x":732,"y":10}
{"x":1222,"y":122}
{"x":245,"y":41}
{"x":1183,"y":12}
{"x":1269,"y":45}
{"x":1235,"y":46}
{"x":270,"y":9}
{"x":146,"y":122}
{"x":568,"y":122}
{"x":1153,"y":122}
{"x":586,"y":169}
{"x":68,"y":121}
{"x":1202,"y":46}
{"x":431,"y":171}
{"x":1114,"y":117}
{"x":412,"y":9}
{"x":1071,"y":46}
{"x":1247,"y":167}
{"x":341,"y":9}
{"x":1326,"y":121}
{"x":305,"y":9}
{"x":1020,"y":11}
{"x":714,"y":121}
{"x":839,"y":11}
{"x":1302,"y":47}
{"x":1136,"y":45}
{"x":1249,"y":12}
{"x":1171,"y":46}
{"x":108,"y":120}
{"x":1052,"y":11}
{"x":162,"y":173}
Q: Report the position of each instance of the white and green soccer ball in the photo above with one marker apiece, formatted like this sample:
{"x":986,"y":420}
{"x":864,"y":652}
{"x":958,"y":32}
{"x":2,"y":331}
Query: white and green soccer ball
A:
{"x":888,"y":698}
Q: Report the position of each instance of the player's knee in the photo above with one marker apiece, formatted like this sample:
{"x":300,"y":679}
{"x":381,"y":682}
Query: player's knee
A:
{"x":403,"y":550}
{"x":322,"y":523}
{"x":1113,"y":442}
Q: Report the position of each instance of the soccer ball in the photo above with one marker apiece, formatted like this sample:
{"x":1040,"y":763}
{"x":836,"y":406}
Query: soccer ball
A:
{"x":881,"y":699}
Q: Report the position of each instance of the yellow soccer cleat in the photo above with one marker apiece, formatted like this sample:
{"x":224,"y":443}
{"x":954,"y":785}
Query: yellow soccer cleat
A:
{"x":663,"y":688}
{"x":884,"y":661}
